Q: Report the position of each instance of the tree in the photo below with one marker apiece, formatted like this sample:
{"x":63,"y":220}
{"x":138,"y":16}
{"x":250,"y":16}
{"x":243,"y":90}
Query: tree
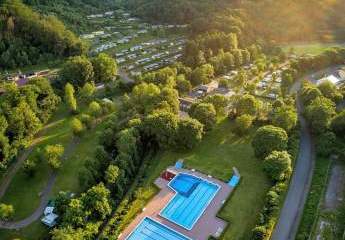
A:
{"x":247,"y":104}
{"x":220,"y":102}
{"x":309,"y":92}
{"x":22,"y":122}
{"x":233,"y":41}
{"x":77,"y":127}
{"x":183,"y":85}
{"x":86,"y":120}
{"x":87,"y":91}
{"x":4,"y":150}
{"x":3,"y":124}
{"x":76,"y":214}
{"x":46,"y":99}
{"x":278,"y":165}
{"x":105,"y":68}
{"x":29,"y":166}
{"x":189,"y":133}
{"x":284,"y":117}
{"x":69,"y":98}
{"x":330,"y":91}
{"x":78,"y":71}
{"x":6,"y":211}
{"x":112,"y":174}
{"x":338,"y":124}
{"x":205,"y":113}
{"x":267,"y":139}
{"x":243,"y":123}
{"x":62,"y":201}
{"x":95,"y":109}
{"x":238,"y":57}
{"x":67,"y":233}
{"x":202,"y":74}
{"x":96,"y":201}
{"x":162,"y":125}
{"x":53,"y":155}
{"x":319,"y":113}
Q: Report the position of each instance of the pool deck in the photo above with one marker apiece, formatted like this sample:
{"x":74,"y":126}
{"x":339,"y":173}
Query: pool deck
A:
{"x":207,"y":225}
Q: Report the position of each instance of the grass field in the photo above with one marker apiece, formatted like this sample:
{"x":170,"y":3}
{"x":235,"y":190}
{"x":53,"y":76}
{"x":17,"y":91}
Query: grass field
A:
{"x":23,"y":187}
{"x":310,"y":48}
{"x":218,"y":153}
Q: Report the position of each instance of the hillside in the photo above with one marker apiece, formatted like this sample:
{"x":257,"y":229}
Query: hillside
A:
{"x":267,"y":19}
{"x":28,"y":38}
{"x":72,"y":12}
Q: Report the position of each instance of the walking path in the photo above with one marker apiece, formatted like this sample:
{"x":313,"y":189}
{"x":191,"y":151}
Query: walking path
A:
{"x":45,"y":193}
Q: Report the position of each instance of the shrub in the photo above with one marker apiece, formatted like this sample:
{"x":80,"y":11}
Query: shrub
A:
{"x":77,"y":127}
{"x":278,"y":165}
{"x":326,"y":144}
{"x":53,"y":154}
{"x":86,"y":120}
{"x":6,"y":211}
{"x":338,"y":124}
{"x":29,"y":167}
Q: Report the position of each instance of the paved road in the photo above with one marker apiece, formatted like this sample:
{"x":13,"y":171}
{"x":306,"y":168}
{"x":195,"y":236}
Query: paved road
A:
{"x":291,"y":214}
{"x":292,"y":210}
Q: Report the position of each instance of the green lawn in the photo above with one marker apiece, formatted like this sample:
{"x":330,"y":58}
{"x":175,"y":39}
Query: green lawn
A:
{"x":310,"y":48}
{"x":216,"y":155}
{"x":23,"y":187}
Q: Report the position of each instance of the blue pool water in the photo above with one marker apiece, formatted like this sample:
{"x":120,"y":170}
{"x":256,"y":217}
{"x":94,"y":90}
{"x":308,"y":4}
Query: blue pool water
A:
{"x":149,"y":229}
{"x":192,"y":197}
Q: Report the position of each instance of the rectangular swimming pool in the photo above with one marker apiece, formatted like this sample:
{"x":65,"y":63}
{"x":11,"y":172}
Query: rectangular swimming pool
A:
{"x":150,"y":229}
{"x":193,"y":195}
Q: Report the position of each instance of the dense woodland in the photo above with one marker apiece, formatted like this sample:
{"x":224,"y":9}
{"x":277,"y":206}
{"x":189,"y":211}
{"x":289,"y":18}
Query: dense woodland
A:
{"x":28,"y":38}
{"x":23,"y":111}
{"x":268,"y":19}
{"x":72,"y":12}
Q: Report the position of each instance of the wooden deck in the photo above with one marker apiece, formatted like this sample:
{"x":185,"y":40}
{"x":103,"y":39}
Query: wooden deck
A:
{"x":207,"y":225}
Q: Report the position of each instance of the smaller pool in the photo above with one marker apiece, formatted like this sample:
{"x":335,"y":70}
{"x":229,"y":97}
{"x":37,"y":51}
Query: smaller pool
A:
{"x":150,"y":229}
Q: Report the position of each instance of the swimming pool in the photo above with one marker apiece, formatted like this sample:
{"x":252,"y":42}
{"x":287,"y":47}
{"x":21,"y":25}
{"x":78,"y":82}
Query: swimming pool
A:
{"x":192,"y":197}
{"x":150,"y":229}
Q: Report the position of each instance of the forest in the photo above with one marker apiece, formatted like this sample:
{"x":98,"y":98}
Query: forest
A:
{"x":268,"y":19}
{"x":28,"y":38}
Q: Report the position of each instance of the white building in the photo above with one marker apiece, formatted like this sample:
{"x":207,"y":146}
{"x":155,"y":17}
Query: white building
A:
{"x":331,"y":78}
{"x":50,"y":219}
